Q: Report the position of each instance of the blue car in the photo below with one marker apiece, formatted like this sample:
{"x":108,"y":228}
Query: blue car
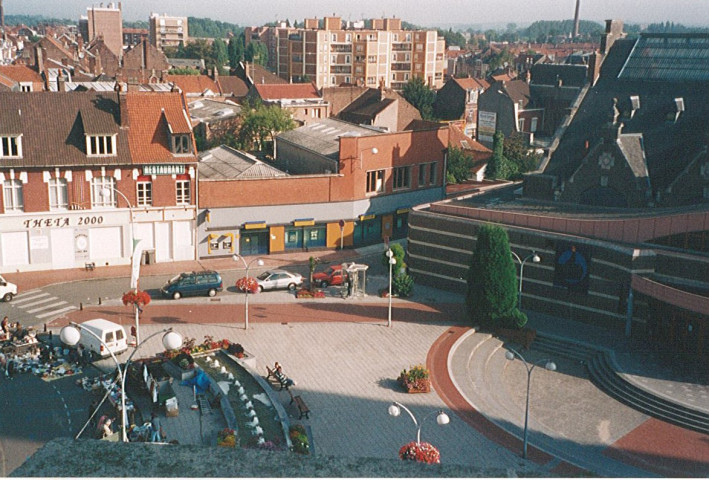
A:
{"x":207,"y":283}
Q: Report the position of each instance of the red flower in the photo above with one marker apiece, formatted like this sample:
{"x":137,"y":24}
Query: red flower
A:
{"x":139,"y":298}
{"x":420,"y":452}
{"x":247,"y":283}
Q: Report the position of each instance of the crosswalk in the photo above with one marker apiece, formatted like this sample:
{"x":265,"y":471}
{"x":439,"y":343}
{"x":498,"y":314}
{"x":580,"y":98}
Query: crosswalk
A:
{"x":41,"y":304}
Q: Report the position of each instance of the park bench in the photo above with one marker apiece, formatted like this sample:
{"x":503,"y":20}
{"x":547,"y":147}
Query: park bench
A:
{"x":282,"y":380}
{"x":300,"y":403}
{"x":89,"y":266}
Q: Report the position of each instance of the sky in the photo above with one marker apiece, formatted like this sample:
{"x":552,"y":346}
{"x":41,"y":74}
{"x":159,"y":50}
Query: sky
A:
{"x":433,"y":13}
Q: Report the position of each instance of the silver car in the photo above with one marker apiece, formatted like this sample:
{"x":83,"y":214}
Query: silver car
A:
{"x":274,"y":279}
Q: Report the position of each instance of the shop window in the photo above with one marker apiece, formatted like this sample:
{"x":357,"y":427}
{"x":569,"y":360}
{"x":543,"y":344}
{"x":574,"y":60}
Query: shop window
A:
{"x":12,"y":196}
{"x":58,"y":194}
{"x":226,"y":244}
{"x":214,"y":244}
{"x":375,"y":181}
{"x":402,"y":177}
{"x":103,"y":192}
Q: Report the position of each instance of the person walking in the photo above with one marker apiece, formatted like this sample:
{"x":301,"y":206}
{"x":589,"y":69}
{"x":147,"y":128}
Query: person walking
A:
{"x":11,"y":366}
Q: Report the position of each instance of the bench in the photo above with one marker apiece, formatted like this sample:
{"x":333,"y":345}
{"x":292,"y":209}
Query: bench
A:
{"x":282,"y":380}
{"x":89,"y":266}
{"x":300,"y":403}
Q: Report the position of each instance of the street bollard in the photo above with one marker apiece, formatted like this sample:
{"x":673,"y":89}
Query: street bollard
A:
{"x":81,"y":305}
{"x":99,"y":300}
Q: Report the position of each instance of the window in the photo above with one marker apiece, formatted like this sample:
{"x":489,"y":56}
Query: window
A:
{"x":145,"y":191}
{"x":103,"y":192}
{"x":25,"y":87}
{"x":371,"y":80}
{"x":58,"y":194}
{"x":371,"y":59}
{"x":520,"y":125}
{"x":533,"y":127}
{"x":334,"y":59}
{"x":402,"y":177}
{"x":12,"y":196}
{"x":422,"y":174}
{"x":348,"y":37}
{"x":408,"y":37}
{"x":11,"y":146}
{"x":181,"y":144}
{"x":348,"y":80}
{"x":396,"y":37}
{"x":406,"y":76}
{"x":407,"y":57}
{"x":334,"y":37}
{"x":432,"y":173}
{"x":333,"y":80}
{"x":183,"y":192}
{"x":375,"y":181}
{"x":348,"y":59}
{"x":100,"y":145}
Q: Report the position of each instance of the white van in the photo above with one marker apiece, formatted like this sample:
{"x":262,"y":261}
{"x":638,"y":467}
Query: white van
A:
{"x":7,"y":289}
{"x":111,"y":333}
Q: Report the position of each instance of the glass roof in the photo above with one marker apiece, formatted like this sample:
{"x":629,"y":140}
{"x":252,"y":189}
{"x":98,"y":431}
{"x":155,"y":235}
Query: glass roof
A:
{"x":679,"y":57}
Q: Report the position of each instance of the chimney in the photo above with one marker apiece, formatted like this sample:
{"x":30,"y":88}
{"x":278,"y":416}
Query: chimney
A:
{"x":381,"y":89}
{"x":576,"y":19}
{"x":61,"y":83}
{"x":122,"y":105}
{"x":39,"y":59}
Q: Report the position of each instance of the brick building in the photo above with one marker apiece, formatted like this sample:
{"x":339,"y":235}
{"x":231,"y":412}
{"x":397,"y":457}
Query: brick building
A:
{"x":105,"y":22}
{"x":166,"y":31}
{"x":85,"y":173}
{"x":335,"y":172}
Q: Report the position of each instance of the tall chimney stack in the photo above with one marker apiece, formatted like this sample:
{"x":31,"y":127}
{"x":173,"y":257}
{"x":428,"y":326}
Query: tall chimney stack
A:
{"x":576,"y":19}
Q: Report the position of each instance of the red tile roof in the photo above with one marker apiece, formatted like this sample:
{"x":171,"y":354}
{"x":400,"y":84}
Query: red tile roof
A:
{"x":149,"y":116}
{"x":20,"y":73}
{"x":194,"y":83}
{"x":471,"y":83}
{"x":288,"y":90}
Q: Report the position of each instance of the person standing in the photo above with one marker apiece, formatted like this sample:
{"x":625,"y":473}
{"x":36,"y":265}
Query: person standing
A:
{"x":5,"y":326}
{"x":155,"y":428}
{"x":10,"y":369}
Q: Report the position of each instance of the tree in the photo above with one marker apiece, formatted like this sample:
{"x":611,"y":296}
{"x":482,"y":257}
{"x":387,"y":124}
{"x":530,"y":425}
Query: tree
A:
{"x":497,"y":165}
{"x":521,"y":159}
{"x":256,"y":52}
{"x":492,"y":282}
{"x":235,"y":50}
{"x":417,"y":93}
{"x":261,"y":124}
{"x":218,"y":55}
{"x":459,"y":165}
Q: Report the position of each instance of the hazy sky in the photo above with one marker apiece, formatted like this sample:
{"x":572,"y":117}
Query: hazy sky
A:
{"x":256,"y":12}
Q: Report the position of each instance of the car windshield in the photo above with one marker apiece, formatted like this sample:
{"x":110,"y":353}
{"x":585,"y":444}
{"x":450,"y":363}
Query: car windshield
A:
{"x":264,"y":275}
{"x":175,"y":278}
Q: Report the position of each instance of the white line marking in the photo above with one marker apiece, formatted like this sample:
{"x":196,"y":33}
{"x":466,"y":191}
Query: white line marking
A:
{"x":28,"y":292}
{"x":30,"y":298}
{"x":47,"y":306}
{"x":57,"y":312}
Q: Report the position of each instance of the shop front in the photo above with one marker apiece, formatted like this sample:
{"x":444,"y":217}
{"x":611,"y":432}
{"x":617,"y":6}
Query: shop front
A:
{"x":254,"y":239}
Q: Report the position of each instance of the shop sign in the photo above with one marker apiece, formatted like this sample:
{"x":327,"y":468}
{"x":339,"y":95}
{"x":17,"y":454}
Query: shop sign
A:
{"x":362,"y":218}
{"x":254,"y":225}
{"x":399,"y":211}
{"x":303,"y":222}
{"x":63,"y":221}
{"x":164,"y":169}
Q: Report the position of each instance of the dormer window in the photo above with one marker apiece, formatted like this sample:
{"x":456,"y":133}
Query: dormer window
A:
{"x":11,"y":146}
{"x":181,"y":144}
{"x":100,"y":145}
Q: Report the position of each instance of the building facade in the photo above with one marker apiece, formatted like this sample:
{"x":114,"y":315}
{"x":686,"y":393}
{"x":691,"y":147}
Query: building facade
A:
{"x":84,"y":174}
{"x":167,"y":31}
{"x":330,"y":55}
{"x":105,"y":22}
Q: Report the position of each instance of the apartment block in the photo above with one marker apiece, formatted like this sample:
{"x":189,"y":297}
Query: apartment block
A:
{"x":105,"y":22}
{"x":330,"y":53}
{"x":166,"y":31}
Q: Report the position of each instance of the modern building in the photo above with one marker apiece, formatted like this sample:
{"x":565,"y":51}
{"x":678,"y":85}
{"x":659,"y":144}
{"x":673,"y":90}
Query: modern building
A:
{"x":302,"y":100}
{"x":86,"y":173}
{"x":105,"y":22}
{"x":330,"y":54}
{"x":166,"y":31}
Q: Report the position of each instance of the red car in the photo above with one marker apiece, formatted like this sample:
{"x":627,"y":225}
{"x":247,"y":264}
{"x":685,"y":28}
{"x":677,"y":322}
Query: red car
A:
{"x":334,"y":275}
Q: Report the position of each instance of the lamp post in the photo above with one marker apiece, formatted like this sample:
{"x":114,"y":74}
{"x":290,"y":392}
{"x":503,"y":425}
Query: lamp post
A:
{"x":547,"y":364}
{"x":441,"y":418}
{"x":392,"y":262}
{"x":71,"y":335}
{"x":535,"y":259}
{"x":134,"y":259}
{"x":374,"y":150}
{"x":259,"y":262}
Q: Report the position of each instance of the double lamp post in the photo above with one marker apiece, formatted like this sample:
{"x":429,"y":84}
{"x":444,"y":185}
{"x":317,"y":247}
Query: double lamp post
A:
{"x":258,"y":262}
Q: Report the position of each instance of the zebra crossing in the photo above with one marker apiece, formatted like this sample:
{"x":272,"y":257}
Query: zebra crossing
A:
{"x":41,"y":304}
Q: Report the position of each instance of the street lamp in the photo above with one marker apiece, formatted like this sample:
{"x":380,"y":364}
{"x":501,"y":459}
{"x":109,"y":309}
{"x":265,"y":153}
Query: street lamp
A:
{"x":546,"y":363}
{"x":71,"y":335}
{"x":392,"y":262}
{"x":259,"y":262}
{"x":535,"y":259}
{"x":441,"y":418}
{"x":374,"y":150}
{"x":105,"y":192}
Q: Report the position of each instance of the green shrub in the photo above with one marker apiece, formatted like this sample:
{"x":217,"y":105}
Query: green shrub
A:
{"x":514,"y":319}
{"x":402,"y":285}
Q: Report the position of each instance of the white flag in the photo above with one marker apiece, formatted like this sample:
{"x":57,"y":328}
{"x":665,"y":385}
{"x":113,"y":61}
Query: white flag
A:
{"x":135,"y":270}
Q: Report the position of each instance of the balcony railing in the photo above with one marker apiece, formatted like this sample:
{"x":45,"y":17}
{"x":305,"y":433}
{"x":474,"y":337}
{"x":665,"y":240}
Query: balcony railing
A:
{"x":341,"y":69}
{"x":401,"y":47}
{"x":341,"y":48}
{"x":401,"y":66}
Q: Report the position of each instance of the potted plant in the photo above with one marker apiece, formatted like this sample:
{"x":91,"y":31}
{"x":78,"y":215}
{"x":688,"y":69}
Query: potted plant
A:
{"x":236,"y":349}
{"x":247,"y":284}
{"x":416,"y":379}
{"x":422,"y":452}
{"x":226,"y":438}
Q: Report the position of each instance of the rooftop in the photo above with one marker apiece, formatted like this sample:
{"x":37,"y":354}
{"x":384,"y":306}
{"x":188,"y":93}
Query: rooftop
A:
{"x":226,"y":163}
{"x":323,"y":136}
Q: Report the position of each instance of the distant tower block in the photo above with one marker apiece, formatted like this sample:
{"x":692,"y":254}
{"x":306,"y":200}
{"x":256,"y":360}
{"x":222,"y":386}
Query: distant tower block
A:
{"x":576,"y":19}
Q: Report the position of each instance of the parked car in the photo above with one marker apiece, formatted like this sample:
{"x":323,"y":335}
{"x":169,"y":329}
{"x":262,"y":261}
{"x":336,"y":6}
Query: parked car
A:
{"x":112,"y":337}
{"x":273,"y":279}
{"x":334,"y":275}
{"x":7,"y":289}
{"x":207,"y":282}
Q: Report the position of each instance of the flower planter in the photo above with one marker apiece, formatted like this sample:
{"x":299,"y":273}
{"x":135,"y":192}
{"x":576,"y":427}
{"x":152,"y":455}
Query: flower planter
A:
{"x":422,"y":389}
{"x":309,"y":294}
{"x":415,"y":380}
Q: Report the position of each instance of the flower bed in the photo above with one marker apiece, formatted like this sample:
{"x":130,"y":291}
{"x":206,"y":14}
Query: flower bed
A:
{"x":422,"y":452}
{"x":226,"y":438}
{"x":305,"y":293}
{"x":299,"y":439}
{"x":416,"y":379}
